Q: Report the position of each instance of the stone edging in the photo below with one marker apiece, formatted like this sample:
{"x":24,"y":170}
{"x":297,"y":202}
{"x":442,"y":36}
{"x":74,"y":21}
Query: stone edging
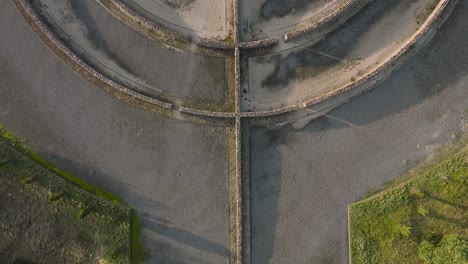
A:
{"x":148,"y":28}
{"x":270,"y":112}
{"x":236,"y":21}
{"x":425,"y":27}
{"x":208,"y":43}
{"x":216,"y":44}
{"x":114,"y":88}
{"x":79,"y":65}
{"x":199,"y":112}
{"x":237,"y":85}
{"x":302,"y":31}
{"x":238,"y":195}
{"x":259,"y":43}
{"x":422,"y":31}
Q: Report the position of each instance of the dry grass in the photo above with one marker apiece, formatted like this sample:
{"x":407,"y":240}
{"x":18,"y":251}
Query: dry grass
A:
{"x":45,"y":219}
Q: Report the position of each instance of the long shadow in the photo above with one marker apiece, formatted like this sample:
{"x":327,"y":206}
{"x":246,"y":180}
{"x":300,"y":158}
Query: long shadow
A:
{"x":176,"y":4}
{"x":340,"y":43}
{"x":166,"y":252}
{"x":438,"y":66}
{"x":444,"y":201}
{"x":104,"y":181}
{"x":449,"y":220}
{"x":280,"y":8}
{"x":265,"y":180}
{"x":166,"y":230}
{"x":156,"y":225}
{"x":81,"y":10}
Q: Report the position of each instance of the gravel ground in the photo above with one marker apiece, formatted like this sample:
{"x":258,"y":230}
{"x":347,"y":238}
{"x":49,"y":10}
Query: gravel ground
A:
{"x":349,"y":53}
{"x":304,"y":174}
{"x":132,"y":59}
{"x":185,"y":15}
{"x":173,"y":173}
{"x":268,"y":18}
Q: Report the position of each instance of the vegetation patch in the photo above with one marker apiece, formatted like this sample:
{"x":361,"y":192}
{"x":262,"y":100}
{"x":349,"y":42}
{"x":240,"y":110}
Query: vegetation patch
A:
{"x":50,"y":216}
{"x":23,"y":149}
{"x":423,"y":220}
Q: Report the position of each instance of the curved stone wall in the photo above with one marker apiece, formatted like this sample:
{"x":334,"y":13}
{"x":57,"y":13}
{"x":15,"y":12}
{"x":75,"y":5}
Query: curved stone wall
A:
{"x":358,"y":85}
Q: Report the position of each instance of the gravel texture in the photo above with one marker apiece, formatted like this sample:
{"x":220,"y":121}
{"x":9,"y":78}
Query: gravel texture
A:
{"x":173,"y":173}
{"x":305,"y":173}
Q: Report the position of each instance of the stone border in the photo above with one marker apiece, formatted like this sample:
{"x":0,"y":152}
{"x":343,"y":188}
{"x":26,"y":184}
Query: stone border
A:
{"x":114,"y":88}
{"x":79,"y":65}
{"x":215,"y":44}
{"x":237,"y":81}
{"x":139,"y":23}
{"x":272,"y":112}
{"x":259,"y":43}
{"x":423,"y":30}
{"x":97,"y":78}
{"x":193,"y":111}
{"x":208,"y":43}
{"x":239,"y":196}
{"x":291,"y":35}
{"x":236,"y":21}
{"x":246,"y":197}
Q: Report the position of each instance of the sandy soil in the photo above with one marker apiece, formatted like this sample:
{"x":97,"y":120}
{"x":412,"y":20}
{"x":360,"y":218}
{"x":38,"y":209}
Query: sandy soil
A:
{"x":268,"y":18}
{"x":202,"y":18}
{"x":151,"y":162}
{"x":357,"y":48}
{"x":304,"y":174}
{"x":132,"y":59}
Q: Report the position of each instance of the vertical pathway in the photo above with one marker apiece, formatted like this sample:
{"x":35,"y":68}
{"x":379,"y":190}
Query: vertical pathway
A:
{"x":236,"y":186}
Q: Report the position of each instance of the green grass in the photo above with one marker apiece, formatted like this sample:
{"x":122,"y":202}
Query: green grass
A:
{"x":137,"y":250}
{"x":20,"y":146}
{"x":59,"y":190}
{"x":394,"y":225}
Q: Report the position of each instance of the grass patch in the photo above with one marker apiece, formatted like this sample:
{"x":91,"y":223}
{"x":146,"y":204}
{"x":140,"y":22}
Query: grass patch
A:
{"x":423,"y":220}
{"x":91,"y":215}
{"x":20,"y":146}
{"x":137,"y":249}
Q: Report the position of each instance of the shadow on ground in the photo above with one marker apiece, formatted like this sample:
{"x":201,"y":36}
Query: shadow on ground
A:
{"x":436,"y":67}
{"x":154,"y":227}
{"x":304,"y":173}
